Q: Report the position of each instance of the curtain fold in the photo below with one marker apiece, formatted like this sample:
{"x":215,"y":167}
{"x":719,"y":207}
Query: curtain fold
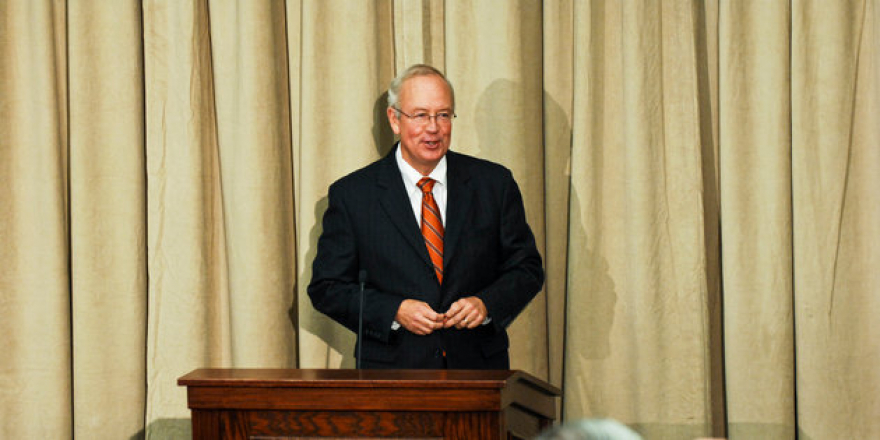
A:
{"x":835,"y":166}
{"x":250,"y":97}
{"x":558,"y":78}
{"x":756,"y":219}
{"x":700,"y":176}
{"x":188,"y":297}
{"x":107,"y":182}
{"x":637,"y":253}
{"x":35,"y":296}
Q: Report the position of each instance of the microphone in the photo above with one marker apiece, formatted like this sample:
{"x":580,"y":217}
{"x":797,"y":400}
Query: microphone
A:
{"x":362,"y":279}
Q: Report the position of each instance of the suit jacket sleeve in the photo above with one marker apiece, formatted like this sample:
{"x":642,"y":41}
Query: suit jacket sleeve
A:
{"x":334,"y":288}
{"x":521,"y":274}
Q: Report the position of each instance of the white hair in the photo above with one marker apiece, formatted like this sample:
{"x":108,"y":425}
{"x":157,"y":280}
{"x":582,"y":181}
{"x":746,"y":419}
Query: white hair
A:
{"x":590,"y":429}
{"x":410,"y":72}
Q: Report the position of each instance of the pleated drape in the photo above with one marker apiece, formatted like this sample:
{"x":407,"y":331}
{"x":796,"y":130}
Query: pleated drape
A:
{"x":640,"y":344}
{"x":108,"y":215}
{"x":35,"y":295}
{"x":701,"y":178}
{"x":835,"y":167}
{"x":755,"y":158}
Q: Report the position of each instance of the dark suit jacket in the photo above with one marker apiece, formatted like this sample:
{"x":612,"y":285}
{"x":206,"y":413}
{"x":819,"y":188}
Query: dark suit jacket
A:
{"x":489,"y":252}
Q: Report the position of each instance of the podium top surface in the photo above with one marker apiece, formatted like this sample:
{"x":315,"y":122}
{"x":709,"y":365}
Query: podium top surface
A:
{"x":346,"y":378}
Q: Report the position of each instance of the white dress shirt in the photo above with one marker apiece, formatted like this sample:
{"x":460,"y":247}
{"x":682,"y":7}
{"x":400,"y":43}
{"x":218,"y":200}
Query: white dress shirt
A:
{"x":411,"y":179}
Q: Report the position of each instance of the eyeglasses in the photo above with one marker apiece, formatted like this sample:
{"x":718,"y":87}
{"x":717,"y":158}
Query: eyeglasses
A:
{"x":422,"y":118}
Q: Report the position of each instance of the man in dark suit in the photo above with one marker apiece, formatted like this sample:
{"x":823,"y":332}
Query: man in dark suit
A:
{"x":441,"y":238}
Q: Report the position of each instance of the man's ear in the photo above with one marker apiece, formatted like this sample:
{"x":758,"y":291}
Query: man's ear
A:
{"x":392,"y":120}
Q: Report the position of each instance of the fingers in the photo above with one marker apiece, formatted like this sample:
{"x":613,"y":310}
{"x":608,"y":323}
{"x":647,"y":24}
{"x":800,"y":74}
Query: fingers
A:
{"x":466,"y":313}
{"x":418,"y":317}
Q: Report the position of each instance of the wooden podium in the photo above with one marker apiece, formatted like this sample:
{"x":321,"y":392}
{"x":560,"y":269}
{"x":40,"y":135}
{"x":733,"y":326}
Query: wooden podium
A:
{"x":352,"y":404}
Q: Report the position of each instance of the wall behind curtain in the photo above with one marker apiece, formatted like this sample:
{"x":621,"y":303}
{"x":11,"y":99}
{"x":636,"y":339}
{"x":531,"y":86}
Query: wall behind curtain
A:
{"x":701,"y":177}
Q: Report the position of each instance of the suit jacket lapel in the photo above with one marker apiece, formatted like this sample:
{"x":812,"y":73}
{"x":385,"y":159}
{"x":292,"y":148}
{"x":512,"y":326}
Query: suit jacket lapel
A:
{"x":459,"y":198}
{"x":396,"y":204}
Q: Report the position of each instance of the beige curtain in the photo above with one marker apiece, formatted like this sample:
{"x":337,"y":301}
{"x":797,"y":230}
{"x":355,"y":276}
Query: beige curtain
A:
{"x":701,"y":177}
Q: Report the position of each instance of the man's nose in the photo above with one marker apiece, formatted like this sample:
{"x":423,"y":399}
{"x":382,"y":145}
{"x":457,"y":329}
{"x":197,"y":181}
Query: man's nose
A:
{"x":432,"y":124}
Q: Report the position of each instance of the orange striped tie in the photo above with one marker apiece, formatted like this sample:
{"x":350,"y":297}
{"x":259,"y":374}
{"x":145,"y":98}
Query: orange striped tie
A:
{"x":432,"y":226}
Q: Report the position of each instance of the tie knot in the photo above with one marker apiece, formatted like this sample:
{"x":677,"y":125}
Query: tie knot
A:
{"x":426,"y":184}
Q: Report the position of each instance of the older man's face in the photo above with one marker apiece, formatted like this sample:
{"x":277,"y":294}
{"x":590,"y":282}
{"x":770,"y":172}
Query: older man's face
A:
{"x":423,"y":144}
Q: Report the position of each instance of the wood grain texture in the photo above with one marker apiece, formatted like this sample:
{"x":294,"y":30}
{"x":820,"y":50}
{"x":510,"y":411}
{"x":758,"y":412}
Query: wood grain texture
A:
{"x":346,"y":423}
{"x":301,"y":404}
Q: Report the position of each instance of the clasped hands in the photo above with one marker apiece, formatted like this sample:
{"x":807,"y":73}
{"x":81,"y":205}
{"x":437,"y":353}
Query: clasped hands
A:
{"x":419,"y":318}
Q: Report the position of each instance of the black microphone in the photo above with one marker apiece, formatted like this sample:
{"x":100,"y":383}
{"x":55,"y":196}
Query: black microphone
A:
{"x":362,"y":279}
